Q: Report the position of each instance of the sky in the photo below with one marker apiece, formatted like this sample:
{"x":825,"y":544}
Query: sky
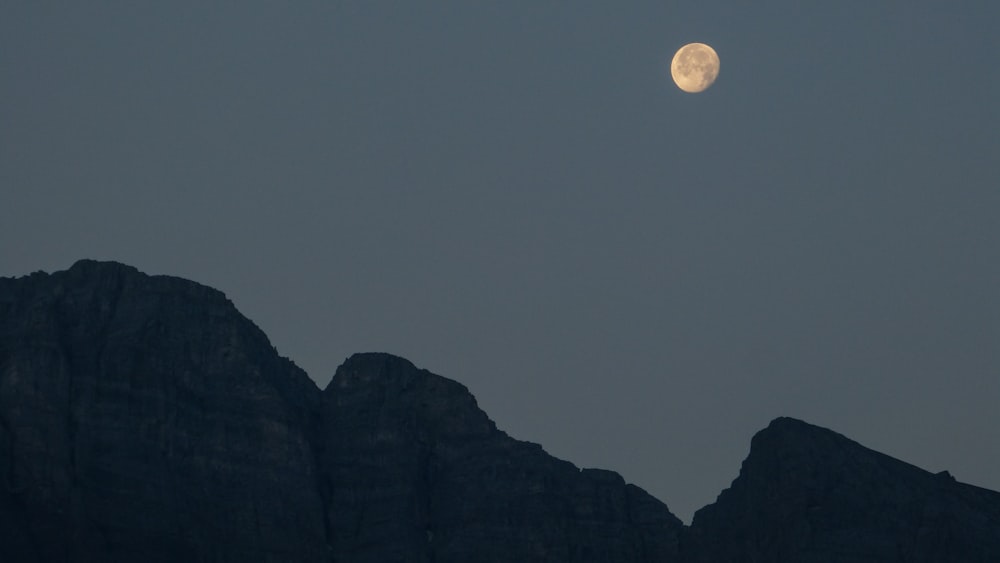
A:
{"x":516,"y":196}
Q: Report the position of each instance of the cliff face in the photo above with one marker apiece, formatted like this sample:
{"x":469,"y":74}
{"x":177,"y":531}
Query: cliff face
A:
{"x":415,"y":471}
{"x":807,"y":494}
{"x":144,"y":419}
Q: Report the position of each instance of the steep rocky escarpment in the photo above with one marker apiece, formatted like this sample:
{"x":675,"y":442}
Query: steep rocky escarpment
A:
{"x":145,"y":418}
{"x":808,"y":494}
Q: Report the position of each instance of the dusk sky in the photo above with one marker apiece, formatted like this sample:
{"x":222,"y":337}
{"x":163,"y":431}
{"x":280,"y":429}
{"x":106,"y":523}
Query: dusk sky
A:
{"x":515,"y":195}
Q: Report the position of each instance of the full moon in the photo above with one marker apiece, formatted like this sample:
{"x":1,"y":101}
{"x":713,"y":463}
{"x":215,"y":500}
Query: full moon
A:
{"x":695,"y":67}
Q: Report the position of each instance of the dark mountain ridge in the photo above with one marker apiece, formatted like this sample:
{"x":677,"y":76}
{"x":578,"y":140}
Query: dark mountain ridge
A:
{"x":809,"y":494}
{"x":144,"y":418}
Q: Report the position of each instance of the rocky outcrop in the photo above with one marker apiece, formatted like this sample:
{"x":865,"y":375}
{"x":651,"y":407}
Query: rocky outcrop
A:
{"x":808,"y":494}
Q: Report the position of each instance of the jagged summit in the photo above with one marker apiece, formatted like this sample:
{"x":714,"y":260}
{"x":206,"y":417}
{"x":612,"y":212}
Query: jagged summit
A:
{"x":431,"y":404}
{"x":89,"y":266}
{"x":792,"y":423}
{"x":95,"y":270}
{"x":805,"y":492}
{"x":786,"y":427}
{"x":102,"y":283}
{"x":375,"y":368}
{"x":376,"y":363}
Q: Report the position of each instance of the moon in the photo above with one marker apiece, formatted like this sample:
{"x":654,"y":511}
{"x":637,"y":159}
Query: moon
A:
{"x":695,"y":67}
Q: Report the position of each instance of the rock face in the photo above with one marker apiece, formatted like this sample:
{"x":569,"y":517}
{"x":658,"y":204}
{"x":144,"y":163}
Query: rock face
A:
{"x":144,"y":419}
{"x":807,"y":494}
{"x":415,"y":471}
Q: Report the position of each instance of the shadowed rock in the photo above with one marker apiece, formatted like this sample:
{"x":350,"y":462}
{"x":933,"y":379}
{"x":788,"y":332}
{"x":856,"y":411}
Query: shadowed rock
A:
{"x":807,"y":494}
{"x":416,"y":471}
{"x":145,"y":419}
{"x":142,"y":418}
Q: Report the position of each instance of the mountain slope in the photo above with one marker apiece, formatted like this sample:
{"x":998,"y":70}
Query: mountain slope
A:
{"x":808,"y":494}
{"x":143,"y":418}
{"x":417,"y":472}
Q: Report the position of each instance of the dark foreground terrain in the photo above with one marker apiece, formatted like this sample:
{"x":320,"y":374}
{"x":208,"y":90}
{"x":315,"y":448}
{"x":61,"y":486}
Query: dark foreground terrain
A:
{"x":143,"y":419}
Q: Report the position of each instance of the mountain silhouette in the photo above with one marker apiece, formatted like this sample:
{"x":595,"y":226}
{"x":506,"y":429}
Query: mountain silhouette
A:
{"x":808,"y":494}
{"x":143,"y":418}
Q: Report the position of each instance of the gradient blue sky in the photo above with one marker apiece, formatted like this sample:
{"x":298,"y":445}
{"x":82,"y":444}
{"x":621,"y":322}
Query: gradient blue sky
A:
{"x":516,"y":196}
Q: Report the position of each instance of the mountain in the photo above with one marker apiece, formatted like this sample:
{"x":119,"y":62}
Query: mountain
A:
{"x":808,"y":494}
{"x":415,"y":471}
{"x":143,"y":418}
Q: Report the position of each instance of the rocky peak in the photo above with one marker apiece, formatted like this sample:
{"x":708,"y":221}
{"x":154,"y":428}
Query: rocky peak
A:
{"x":93,"y":270}
{"x":806,"y":492}
{"x":415,"y":471}
{"x":365,"y":367}
{"x":134,"y":406}
{"x":391,"y":389}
